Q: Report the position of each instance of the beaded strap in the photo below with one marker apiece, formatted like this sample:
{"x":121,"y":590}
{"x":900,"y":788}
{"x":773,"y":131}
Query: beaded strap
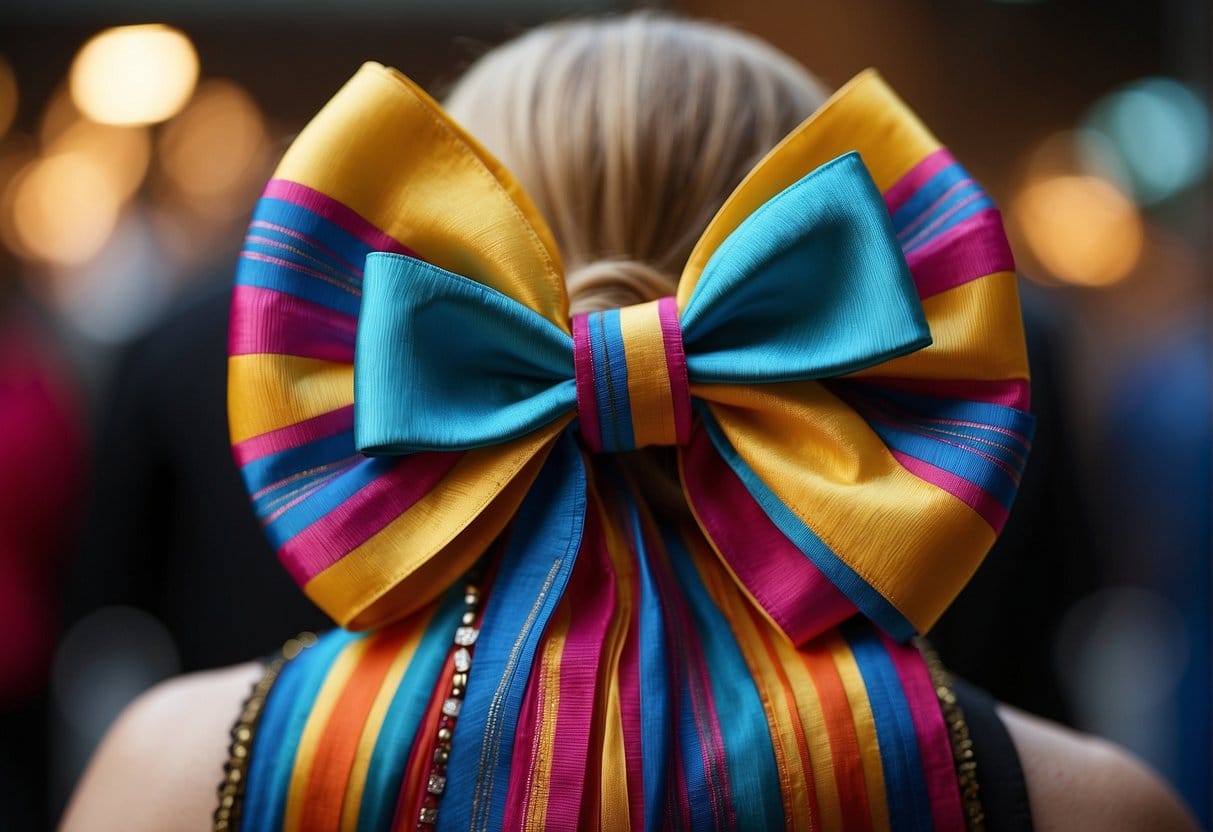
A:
{"x":231,"y":787}
{"x":958,"y":733}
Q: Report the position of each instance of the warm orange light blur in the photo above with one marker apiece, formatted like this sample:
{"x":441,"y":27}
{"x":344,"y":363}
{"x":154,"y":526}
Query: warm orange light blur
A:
{"x":134,"y":74}
{"x":8,"y":96}
{"x":1081,"y":228}
{"x":122,"y":153}
{"x":63,"y":209}
{"x":213,"y":153}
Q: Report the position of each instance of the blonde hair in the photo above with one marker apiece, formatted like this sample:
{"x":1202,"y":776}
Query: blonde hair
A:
{"x":629,"y":133}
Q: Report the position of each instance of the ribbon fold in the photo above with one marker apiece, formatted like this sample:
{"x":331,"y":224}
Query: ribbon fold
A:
{"x":403,"y":364}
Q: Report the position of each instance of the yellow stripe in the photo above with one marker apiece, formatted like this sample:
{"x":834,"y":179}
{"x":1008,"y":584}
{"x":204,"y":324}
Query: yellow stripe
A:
{"x":540,"y":769}
{"x":649,"y":393}
{"x":976,"y":332}
{"x":865,"y":729}
{"x":864,"y":115}
{"x":317,"y":721}
{"x":775,"y":700}
{"x":817,"y":736}
{"x":614,"y":806}
{"x":352,"y":803}
{"x":385,"y":149}
{"x":267,"y":392}
{"x":914,"y":543}
{"x":405,"y":564}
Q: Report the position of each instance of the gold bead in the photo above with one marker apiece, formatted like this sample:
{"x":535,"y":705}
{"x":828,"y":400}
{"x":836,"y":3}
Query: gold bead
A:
{"x":444,"y":735}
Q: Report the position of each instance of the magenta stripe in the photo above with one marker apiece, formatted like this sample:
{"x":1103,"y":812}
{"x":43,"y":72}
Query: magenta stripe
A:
{"x":934,"y":744}
{"x":793,"y":591}
{"x":359,"y":518}
{"x":974,"y":248}
{"x":291,"y":436}
{"x":583,"y":371}
{"x":591,"y":597}
{"x":335,"y":212}
{"x":974,"y":496}
{"x":266,"y":321}
{"x":629,"y":708}
{"x":1012,"y":392}
{"x":908,"y":185}
{"x":676,"y":366}
{"x":354,"y":269}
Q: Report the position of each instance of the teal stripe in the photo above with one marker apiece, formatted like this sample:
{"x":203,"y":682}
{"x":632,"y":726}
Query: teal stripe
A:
{"x":394,"y":746}
{"x":753,"y":774}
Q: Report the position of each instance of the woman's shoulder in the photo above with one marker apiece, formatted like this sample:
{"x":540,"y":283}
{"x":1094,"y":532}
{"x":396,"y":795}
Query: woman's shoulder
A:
{"x":160,"y":765}
{"x":1077,"y":781}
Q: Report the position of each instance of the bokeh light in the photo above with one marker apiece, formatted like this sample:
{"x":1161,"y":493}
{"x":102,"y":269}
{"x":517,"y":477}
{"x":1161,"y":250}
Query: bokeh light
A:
{"x":63,"y":208}
{"x":8,"y":96}
{"x":213,"y":154}
{"x":122,"y":153}
{"x":1081,"y":229}
{"x":1159,"y":129}
{"x":134,"y":74}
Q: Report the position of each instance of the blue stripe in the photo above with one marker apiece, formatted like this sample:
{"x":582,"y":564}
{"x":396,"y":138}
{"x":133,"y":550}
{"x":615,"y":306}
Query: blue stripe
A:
{"x":282,"y":279}
{"x":965,"y":463}
{"x":280,"y":728}
{"x":268,"y":503}
{"x":390,"y":758}
{"x":927,"y":193}
{"x":862,"y":594}
{"x":269,"y":469}
{"x":595,"y":327}
{"x":343,"y":245}
{"x":534,"y":571}
{"x":905,"y":784}
{"x":654,"y":669}
{"x":617,"y":424}
{"x":752,"y":772}
{"x":337,"y":491}
{"x":691,"y":752}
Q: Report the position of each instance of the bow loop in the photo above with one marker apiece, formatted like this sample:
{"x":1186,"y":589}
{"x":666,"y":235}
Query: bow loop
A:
{"x":843,"y":370}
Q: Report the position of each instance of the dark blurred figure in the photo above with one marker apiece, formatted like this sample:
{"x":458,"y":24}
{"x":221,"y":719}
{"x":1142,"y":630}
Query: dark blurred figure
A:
{"x":41,"y":474}
{"x":173,"y":573}
{"x":1001,"y":631}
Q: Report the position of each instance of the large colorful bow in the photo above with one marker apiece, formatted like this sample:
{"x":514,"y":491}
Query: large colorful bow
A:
{"x":833,"y":459}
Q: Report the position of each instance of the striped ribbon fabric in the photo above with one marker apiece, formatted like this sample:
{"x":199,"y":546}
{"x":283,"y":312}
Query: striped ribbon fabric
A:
{"x":843,"y":377}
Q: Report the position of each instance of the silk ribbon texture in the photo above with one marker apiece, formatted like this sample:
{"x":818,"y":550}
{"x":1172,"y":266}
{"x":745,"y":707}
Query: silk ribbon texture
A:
{"x":406,"y":384}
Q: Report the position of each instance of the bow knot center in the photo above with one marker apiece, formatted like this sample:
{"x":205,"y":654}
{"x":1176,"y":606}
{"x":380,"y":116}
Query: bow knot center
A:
{"x":631,"y":371}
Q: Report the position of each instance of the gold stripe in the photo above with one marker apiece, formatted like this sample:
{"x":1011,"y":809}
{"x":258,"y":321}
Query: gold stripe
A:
{"x":649,"y":393}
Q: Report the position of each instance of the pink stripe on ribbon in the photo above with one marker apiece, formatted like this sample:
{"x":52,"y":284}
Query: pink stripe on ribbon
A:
{"x":359,"y":518}
{"x":908,"y":185}
{"x":974,"y":496}
{"x":793,"y":591}
{"x":676,"y":366}
{"x":266,"y":321}
{"x":335,"y":212}
{"x":583,"y":371}
{"x":934,"y":744}
{"x":292,"y":436}
{"x":591,"y":599}
{"x":974,"y":248}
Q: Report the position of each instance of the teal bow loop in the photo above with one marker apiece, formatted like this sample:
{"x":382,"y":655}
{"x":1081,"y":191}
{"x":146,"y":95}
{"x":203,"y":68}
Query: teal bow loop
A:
{"x":444,"y":363}
{"x":812,"y":285}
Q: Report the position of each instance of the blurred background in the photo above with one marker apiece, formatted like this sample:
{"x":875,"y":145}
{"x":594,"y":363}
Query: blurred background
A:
{"x":135,"y":136}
